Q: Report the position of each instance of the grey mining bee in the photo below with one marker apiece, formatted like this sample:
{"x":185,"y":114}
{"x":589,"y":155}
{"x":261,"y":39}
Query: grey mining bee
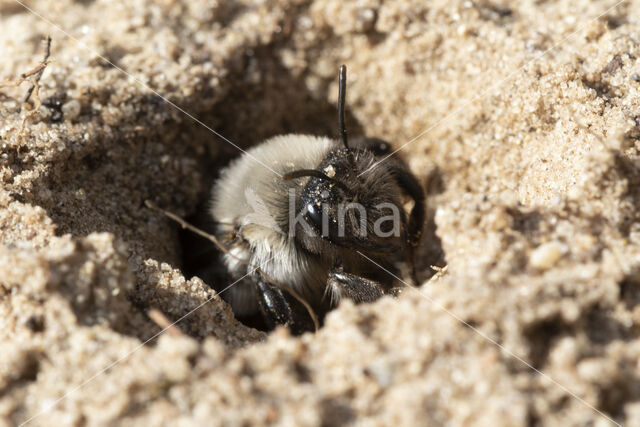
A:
{"x":309,"y":224}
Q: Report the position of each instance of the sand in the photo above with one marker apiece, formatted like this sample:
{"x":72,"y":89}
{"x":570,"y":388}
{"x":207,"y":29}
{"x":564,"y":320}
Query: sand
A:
{"x":522,"y":122}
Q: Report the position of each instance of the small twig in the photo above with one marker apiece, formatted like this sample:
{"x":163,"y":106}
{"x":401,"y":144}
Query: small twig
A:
{"x":39,"y":70}
{"x":33,"y":111}
{"x":185,"y":225}
{"x":223,"y":249}
{"x":440,"y":271}
{"x":35,"y":87}
{"x":161,"y":320}
{"x":24,"y":76}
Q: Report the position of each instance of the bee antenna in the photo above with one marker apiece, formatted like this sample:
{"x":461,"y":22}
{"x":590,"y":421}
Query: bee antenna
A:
{"x":342,"y":93}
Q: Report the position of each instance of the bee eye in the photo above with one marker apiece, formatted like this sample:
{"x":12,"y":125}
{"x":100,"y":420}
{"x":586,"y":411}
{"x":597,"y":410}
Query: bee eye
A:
{"x":314,"y":213}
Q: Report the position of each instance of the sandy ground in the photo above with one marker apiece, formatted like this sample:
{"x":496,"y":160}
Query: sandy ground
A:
{"x":524,"y":126}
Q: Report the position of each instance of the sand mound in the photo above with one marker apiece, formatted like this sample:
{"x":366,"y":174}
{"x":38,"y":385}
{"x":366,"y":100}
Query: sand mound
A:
{"x":523,"y":123}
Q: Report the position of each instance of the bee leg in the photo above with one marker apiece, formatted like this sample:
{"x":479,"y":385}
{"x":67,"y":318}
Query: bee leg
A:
{"x":356,"y":288}
{"x":274,"y":306}
{"x":412,"y":187}
{"x":415,"y":225}
{"x":278,"y":307}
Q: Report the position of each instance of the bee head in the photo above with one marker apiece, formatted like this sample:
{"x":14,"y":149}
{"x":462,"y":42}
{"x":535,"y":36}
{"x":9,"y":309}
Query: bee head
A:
{"x":339,"y":206}
{"x":346,"y":201}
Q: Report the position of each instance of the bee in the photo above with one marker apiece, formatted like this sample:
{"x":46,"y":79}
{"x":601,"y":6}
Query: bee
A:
{"x":313,"y":213}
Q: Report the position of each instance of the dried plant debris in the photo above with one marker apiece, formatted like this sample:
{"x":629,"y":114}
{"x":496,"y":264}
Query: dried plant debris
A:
{"x":520,"y":119}
{"x":33,"y":76}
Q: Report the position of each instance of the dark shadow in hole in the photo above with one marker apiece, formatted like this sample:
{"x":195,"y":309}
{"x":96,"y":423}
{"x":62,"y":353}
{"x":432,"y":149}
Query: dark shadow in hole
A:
{"x":615,"y":20}
{"x":615,"y":395}
{"x":630,"y":289}
{"x":627,"y":167}
{"x":602,"y":328}
{"x":598,"y":325}
{"x":603,"y":89}
{"x":26,"y":373}
{"x":498,"y":14}
{"x":336,"y":411}
{"x":526,"y":222}
{"x":541,"y":336}
{"x":430,"y":252}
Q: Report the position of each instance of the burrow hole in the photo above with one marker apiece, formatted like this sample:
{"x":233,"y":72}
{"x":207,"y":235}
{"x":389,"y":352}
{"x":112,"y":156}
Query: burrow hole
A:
{"x":255,"y":112}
